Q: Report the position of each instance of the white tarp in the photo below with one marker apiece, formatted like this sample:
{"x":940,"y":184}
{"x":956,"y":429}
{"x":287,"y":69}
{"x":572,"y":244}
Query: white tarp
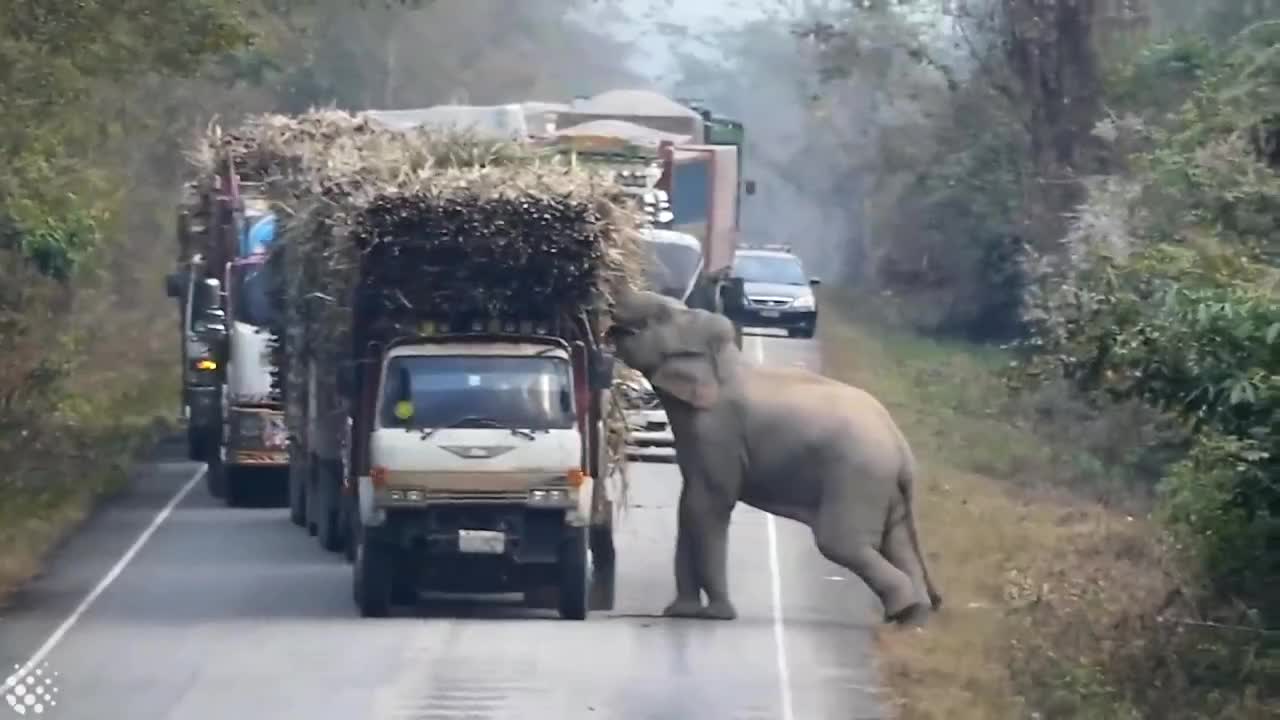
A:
{"x":497,"y":121}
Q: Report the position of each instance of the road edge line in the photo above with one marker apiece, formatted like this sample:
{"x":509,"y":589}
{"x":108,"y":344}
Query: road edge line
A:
{"x":775,"y":579}
{"x":49,"y":644}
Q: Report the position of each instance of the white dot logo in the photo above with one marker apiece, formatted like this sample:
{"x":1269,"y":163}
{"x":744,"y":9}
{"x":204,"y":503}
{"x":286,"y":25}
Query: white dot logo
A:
{"x":30,"y":690}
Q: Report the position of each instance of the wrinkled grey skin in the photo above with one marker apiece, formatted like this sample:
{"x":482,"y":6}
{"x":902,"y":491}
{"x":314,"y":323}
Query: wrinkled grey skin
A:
{"x":787,"y":441}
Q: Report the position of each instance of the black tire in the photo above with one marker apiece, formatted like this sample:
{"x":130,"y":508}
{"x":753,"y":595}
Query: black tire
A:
{"x":574,"y":576}
{"x":310,"y":476}
{"x":237,"y":489}
{"x":328,"y":517}
{"x":372,"y":578}
{"x":351,"y":516}
{"x":297,"y":497}
{"x":215,"y":478}
{"x":604,"y":568}
{"x":200,"y":446}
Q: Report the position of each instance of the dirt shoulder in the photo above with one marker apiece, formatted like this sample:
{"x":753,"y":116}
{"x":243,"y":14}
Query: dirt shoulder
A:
{"x":1032,"y":576}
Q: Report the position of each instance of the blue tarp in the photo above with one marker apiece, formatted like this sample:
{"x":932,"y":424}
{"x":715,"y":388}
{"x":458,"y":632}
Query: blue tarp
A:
{"x":259,"y":233}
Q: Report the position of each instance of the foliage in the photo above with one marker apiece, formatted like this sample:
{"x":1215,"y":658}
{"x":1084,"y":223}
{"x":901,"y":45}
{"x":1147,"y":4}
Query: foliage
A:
{"x":1168,"y":295}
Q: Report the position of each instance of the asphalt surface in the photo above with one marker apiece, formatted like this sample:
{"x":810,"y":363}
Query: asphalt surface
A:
{"x":170,"y":605}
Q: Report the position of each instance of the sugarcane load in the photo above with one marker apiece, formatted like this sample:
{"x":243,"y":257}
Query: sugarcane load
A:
{"x":447,"y":396}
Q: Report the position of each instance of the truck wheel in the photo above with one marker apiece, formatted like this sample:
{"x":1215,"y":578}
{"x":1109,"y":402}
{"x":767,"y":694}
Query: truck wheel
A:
{"x":351,"y":517}
{"x":372,"y":575}
{"x":215,"y":477}
{"x":297,"y":497}
{"x":236,"y":489}
{"x":328,"y":521}
{"x":574,"y":579}
{"x":604,"y":568}
{"x":199,"y":446}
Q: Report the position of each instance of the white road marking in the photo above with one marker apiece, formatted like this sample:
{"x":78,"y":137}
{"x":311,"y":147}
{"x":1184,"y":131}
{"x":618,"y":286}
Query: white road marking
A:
{"x":775,"y":578}
{"x":112,"y":574}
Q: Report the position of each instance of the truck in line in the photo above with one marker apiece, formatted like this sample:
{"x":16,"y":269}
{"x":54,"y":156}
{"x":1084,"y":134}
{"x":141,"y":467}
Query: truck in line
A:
{"x":466,"y":415}
{"x":235,"y":422}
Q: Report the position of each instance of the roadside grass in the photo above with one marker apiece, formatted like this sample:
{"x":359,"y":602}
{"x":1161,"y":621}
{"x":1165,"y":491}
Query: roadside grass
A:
{"x":52,"y":480}
{"x":1037,"y":548}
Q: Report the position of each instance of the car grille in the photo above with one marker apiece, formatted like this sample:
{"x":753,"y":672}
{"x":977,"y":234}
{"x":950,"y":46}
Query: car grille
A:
{"x":771,"y":302}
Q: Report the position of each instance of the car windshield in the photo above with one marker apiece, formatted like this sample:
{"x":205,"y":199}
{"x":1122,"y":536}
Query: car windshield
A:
{"x":251,"y":294}
{"x":672,"y":268}
{"x":780,"y":269}
{"x":522,"y":392}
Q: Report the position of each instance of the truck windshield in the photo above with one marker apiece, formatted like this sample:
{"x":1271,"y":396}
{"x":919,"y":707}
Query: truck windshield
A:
{"x":781,"y":270}
{"x":251,"y":295}
{"x":672,"y":268}
{"x":517,"y":392}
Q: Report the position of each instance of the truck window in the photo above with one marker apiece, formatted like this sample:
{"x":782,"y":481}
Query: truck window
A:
{"x":781,"y":270}
{"x":672,"y":268}
{"x":251,"y":295}
{"x":533,"y":393}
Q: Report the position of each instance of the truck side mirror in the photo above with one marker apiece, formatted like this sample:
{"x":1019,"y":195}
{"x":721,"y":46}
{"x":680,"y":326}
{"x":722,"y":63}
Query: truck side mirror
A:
{"x":346,"y":379}
{"x":210,"y":294}
{"x":174,"y":284}
{"x":601,"y":369}
{"x":211,"y":325}
{"x":734,"y":294}
{"x":814,"y":282}
{"x":749,"y":187}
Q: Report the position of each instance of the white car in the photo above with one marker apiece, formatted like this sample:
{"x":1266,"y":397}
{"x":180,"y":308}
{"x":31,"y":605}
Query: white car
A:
{"x":649,"y":433}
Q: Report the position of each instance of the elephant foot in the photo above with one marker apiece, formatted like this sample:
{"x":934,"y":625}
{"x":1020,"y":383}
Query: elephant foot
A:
{"x":914,"y":615}
{"x":683,"y":609}
{"x":722,"y":610}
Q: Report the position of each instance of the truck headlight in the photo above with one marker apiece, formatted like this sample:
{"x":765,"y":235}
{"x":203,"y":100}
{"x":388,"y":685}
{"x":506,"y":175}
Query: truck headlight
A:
{"x":554,"y":497}
{"x":803,"y":303}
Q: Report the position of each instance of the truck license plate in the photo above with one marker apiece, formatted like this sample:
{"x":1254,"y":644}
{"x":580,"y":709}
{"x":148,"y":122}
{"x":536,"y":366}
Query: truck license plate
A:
{"x":770,"y":313}
{"x":484,"y":542}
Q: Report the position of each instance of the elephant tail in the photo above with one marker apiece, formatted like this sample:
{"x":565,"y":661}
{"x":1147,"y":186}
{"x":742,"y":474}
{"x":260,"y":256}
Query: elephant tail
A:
{"x":906,"y":485}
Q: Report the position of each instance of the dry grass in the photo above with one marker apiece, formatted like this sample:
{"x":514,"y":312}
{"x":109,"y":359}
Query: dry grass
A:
{"x":1028,"y":571}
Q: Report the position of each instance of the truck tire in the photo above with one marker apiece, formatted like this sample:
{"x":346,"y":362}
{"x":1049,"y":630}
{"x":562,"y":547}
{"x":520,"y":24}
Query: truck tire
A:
{"x":236,"y":489}
{"x":200,"y":446}
{"x":604,"y":568}
{"x":574,"y":575}
{"x":351,"y":517}
{"x":297,"y":496}
{"x":372,"y":578}
{"x":328,"y":515}
{"x":215,"y":477}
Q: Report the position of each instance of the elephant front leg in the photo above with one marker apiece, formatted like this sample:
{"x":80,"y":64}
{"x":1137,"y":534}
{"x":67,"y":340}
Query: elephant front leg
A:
{"x":688,"y":601}
{"x":712,"y":554}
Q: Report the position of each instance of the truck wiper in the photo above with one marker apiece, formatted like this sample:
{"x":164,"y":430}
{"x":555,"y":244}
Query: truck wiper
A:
{"x":521,"y":432}
{"x":428,"y":432}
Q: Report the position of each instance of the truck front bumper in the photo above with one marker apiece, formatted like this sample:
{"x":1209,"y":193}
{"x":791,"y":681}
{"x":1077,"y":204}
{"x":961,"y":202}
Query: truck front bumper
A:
{"x":481,"y":548}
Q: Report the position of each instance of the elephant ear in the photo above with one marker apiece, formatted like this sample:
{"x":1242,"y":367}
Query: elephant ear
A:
{"x":689,"y":377}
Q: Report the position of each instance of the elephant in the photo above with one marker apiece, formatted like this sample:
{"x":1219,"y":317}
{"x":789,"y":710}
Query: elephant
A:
{"x":787,"y":441}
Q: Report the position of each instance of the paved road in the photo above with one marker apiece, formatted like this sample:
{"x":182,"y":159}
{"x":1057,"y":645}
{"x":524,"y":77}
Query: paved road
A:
{"x":236,"y":614}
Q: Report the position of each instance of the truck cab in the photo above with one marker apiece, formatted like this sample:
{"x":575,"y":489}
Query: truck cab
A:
{"x":478,"y":475}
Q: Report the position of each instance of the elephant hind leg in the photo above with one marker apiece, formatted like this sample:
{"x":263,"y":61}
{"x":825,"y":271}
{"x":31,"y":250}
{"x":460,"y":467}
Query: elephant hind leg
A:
{"x":899,"y":549}
{"x":891,"y":585}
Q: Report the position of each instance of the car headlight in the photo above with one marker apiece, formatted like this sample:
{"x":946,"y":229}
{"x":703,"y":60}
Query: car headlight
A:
{"x":803,"y":303}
